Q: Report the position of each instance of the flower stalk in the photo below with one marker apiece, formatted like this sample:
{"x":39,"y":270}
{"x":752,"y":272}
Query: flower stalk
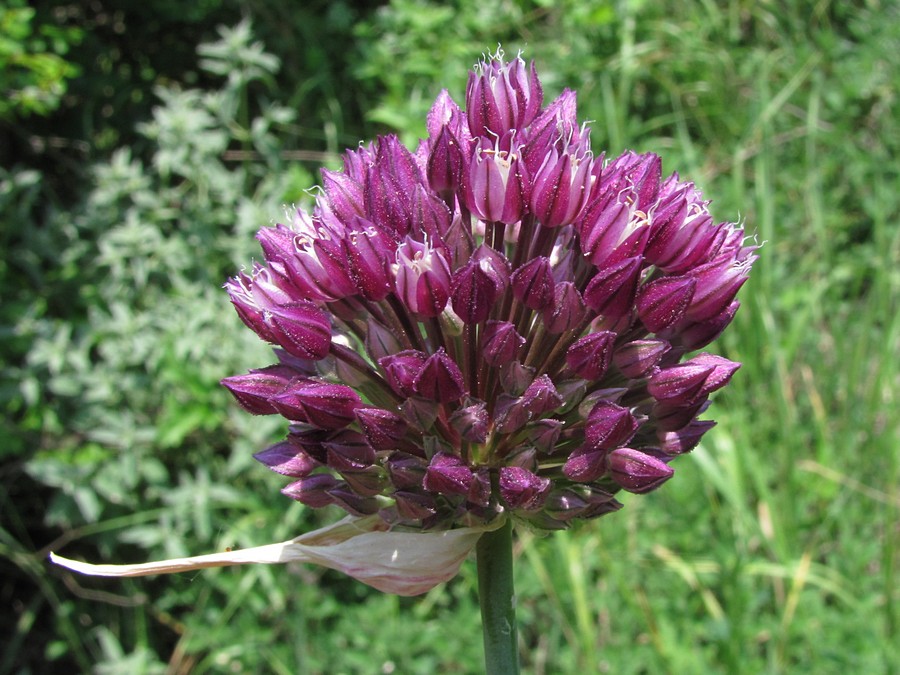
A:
{"x":496,"y":595}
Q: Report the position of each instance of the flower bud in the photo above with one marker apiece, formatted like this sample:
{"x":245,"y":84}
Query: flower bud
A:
{"x":440,"y":379}
{"x":697,"y":335}
{"x":401,"y":370}
{"x":611,"y":291}
{"x":589,"y":357}
{"x":448,"y":475}
{"x":502,"y":96}
{"x":446,"y":163}
{"x":348,"y":451}
{"x":532,"y":283}
{"x":638,"y":358}
{"x":471,"y":422}
{"x":406,"y":471}
{"x":478,"y":284}
{"x":500,"y":342}
{"x":312,"y":490}
{"x":586,"y":464}
{"x":544,"y":434}
{"x":301,"y":328}
{"x":353,"y":503}
{"x":567,"y":310}
{"x":422,"y":278}
{"x":369,"y":253}
{"x":636,"y":471}
{"x":692,"y":380}
{"x":383,"y":429}
{"x":287,"y":459}
{"x":255,"y":389}
{"x":327,"y":406}
{"x":662,"y":303}
{"x":414,"y":505}
{"x":685,"y":439}
{"x":717,"y":284}
{"x":497,"y":184}
{"x":521,"y":489}
{"x":608,"y":426}
{"x":562,"y":184}
{"x":540,"y":397}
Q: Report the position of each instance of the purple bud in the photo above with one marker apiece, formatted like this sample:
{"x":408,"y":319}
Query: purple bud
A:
{"x":589,"y":357}
{"x":369,"y":253}
{"x":420,"y":413}
{"x":636,"y":471}
{"x":480,"y":490}
{"x":390,"y":186}
{"x":422,"y":278}
{"x":383,"y":429}
{"x":327,"y":406}
{"x":446,"y":162}
{"x":540,"y":397}
{"x":448,"y":475}
{"x":502,"y":96}
{"x":585,"y":465}
{"x":312,"y":490}
{"x":255,"y":389}
{"x":366,"y":482}
{"x":515,"y":378}
{"x":662,"y":303}
{"x":301,"y":328}
{"x":287,"y":459}
{"x":608,"y":426}
{"x":348,"y":451}
{"x":440,"y":379}
{"x":521,"y":489}
{"x":319,"y":265}
{"x":562,"y":184}
{"x":556,"y":121}
{"x":692,"y":380}
{"x":497,"y":183}
{"x":532,"y":284}
{"x":414,"y":505}
{"x":500,"y":342}
{"x":471,"y":422}
{"x":698,"y":335}
{"x":611,"y":291}
{"x":478,"y":285}
{"x":567,"y":310}
{"x":685,"y":439}
{"x":544,"y":434}
{"x":636,"y":359}
{"x":717,"y":284}
{"x":344,"y":195}
{"x":673,"y":416}
{"x":401,"y":370}
{"x":355,"y":504}
{"x":611,"y":230}
{"x":406,"y":471}
{"x":637,"y":174}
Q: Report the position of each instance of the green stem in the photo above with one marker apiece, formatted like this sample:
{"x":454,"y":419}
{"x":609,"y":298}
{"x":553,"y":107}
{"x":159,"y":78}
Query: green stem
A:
{"x":498,"y":602}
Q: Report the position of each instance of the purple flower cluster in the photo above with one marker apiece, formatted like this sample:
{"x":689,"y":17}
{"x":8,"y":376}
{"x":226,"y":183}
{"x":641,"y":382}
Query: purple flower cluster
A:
{"x":494,"y":323}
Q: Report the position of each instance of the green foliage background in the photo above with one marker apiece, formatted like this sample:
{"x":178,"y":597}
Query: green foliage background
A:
{"x":157,"y":139}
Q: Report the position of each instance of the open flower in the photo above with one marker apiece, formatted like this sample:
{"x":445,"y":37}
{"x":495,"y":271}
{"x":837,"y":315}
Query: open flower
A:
{"x":490,"y":328}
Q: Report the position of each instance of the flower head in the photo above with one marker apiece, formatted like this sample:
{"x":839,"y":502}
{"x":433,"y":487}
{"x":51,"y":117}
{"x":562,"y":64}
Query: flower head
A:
{"x":512,"y":311}
{"x":492,"y":327}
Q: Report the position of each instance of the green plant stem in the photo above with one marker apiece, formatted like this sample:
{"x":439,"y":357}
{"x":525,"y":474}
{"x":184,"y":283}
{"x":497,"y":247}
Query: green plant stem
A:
{"x":498,"y":602}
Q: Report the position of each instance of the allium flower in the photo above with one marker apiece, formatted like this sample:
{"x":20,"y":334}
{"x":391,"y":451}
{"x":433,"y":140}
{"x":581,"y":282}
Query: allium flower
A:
{"x":492,"y":327}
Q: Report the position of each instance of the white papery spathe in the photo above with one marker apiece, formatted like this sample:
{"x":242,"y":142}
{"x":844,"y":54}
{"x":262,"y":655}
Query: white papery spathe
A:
{"x":403,"y":563}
